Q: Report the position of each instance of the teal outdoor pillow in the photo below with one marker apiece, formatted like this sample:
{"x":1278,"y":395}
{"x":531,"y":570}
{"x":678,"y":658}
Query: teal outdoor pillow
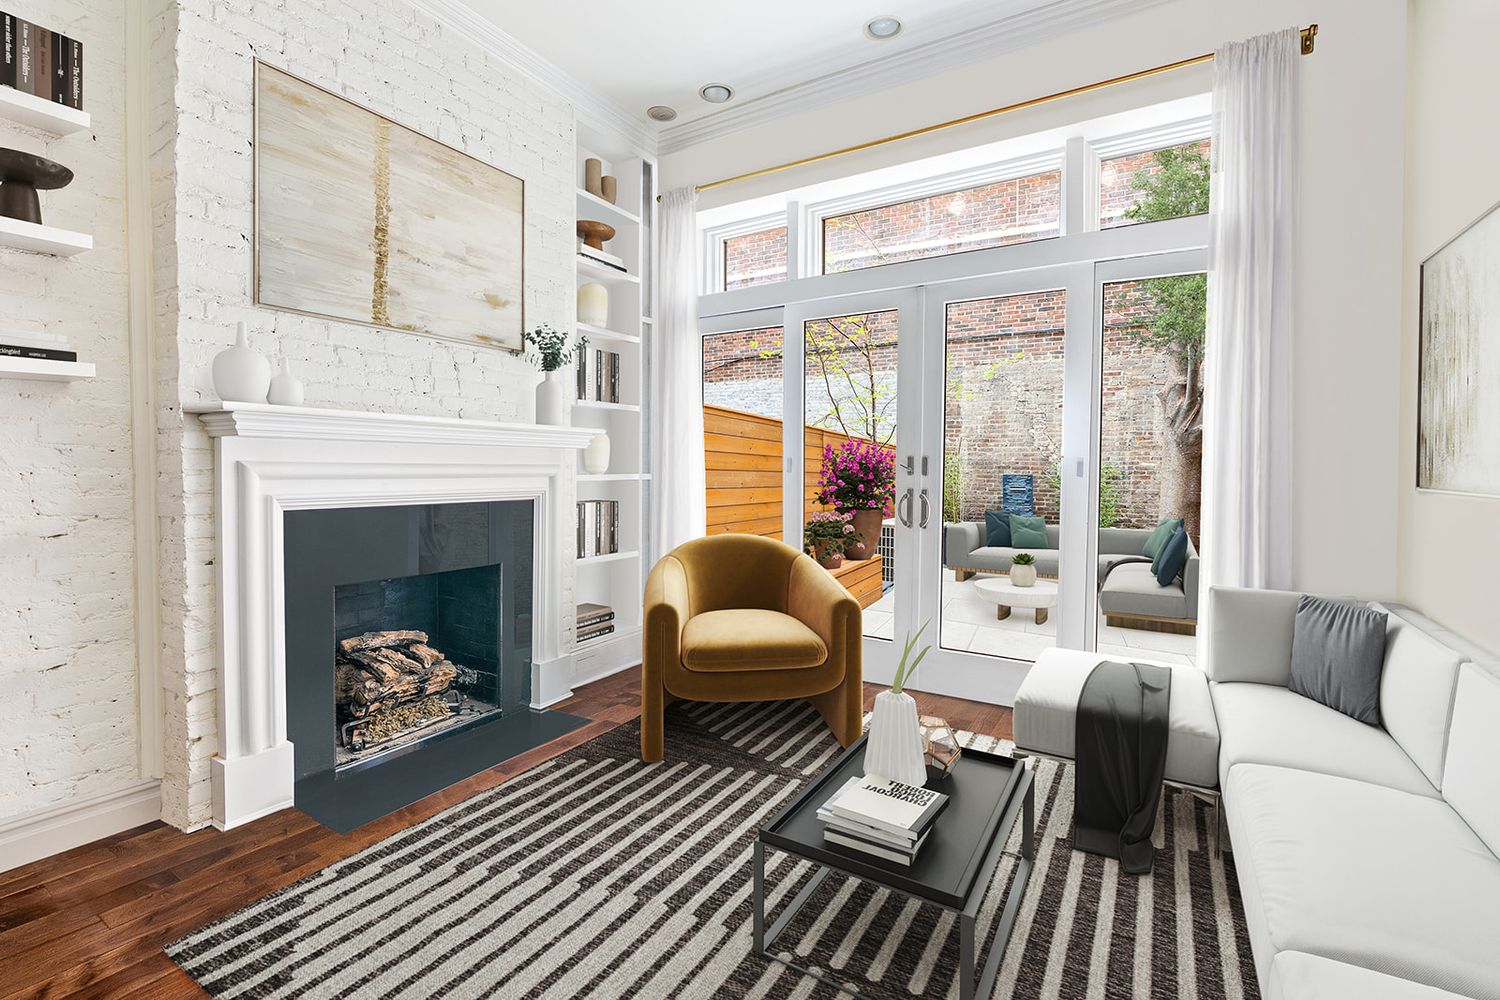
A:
{"x":997,"y":528}
{"x":1173,"y":556}
{"x":1028,"y":532}
{"x":1160,"y":535}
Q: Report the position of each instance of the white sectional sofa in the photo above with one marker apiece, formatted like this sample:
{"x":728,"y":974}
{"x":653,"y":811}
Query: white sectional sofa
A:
{"x":1368,"y":857}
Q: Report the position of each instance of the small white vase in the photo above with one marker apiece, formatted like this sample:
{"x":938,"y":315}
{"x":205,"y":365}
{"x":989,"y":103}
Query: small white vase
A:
{"x":593,"y":304}
{"x":1023,"y":576}
{"x":553,"y":396}
{"x":286,"y":388}
{"x":596,"y":455}
{"x":894,"y":749}
{"x":240,"y":374}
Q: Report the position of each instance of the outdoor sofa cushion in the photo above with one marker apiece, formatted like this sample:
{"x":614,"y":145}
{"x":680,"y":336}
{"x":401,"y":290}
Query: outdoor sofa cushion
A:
{"x":1131,"y":589}
{"x":1168,"y":563}
{"x":1265,"y":724}
{"x":1028,"y":532}
{"x":1364,"y":874}
{"x":1164,"y":530}
{"x":997,"y":528}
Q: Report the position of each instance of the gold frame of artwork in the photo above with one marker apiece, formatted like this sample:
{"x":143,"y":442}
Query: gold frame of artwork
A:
{"x":380,"y":249}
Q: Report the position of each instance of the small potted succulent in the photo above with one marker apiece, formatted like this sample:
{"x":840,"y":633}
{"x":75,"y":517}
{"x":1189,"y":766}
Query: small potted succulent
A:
{"x":825,"y":537}
{"x":1023,"y":569}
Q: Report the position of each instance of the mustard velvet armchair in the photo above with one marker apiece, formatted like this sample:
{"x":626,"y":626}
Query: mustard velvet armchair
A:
{"x":746,"y":618}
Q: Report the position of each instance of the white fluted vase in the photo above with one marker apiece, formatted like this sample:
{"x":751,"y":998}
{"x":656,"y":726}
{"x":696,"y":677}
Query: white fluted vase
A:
{"x":894,"y":749}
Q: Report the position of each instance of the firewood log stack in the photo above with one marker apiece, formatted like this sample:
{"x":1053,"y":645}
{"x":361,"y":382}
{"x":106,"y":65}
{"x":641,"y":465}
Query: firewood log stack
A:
{"x":380,"y":670}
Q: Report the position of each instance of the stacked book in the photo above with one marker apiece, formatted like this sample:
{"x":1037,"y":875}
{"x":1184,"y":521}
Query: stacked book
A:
{"x":594,"y":621}
{"x":600,"y":256}
{"x":39,"y":62}
{"x":36,"y":346}
{"x":599,"y":376}
{"x":880,"y":817}
{"x":598,"y":528}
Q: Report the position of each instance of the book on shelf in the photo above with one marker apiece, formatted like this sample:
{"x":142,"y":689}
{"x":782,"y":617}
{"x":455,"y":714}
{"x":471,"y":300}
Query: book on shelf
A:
{"x":900,"y":810}
{"x":594,"y":614}
{"x":900,"y":855}
{"x":595,"y":631}
{"x":602,"y":256}
{"x":598,"y":528}
{"x":36,"y":353}
{"x":42,"y":63}
{"x":599,"y":376}
{"x":603,"y":263}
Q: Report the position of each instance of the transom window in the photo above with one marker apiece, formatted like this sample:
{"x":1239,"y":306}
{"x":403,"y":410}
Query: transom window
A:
{"x":757,"y":258}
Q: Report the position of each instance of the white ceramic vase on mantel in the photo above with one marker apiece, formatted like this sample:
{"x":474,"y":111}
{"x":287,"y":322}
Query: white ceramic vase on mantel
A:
{"x":894,"y":748}
{"x":553,"y":394}
{"x":240,"y":374}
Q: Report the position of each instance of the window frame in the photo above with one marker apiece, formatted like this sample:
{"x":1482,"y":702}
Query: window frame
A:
{"x":714,"y":257}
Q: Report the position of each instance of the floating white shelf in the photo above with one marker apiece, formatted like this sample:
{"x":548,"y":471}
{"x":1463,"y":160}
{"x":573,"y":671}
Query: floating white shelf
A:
{"x":36,"y":112}
{"x":592,"y":206}
{"x":594,"y":404}
{"x":611,"y":557}
{"x":613,"y":477}
{"x":600,"y":333}
{"x":45,"y":371}
{"x":42,"y":239}
{"x":599,"y":272}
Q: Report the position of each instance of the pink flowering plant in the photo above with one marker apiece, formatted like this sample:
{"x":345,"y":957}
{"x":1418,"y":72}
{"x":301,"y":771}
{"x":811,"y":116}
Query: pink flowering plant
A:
{"x":828,"y":531}
{"x":858,"y":475}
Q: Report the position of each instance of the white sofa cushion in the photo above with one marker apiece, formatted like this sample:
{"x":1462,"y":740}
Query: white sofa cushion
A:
{"x":1296,"y":975}
{"x":1262,"y":724}
{"x":1046,"y":714}
{"x":1363,"y":874}
{"x":1250,"y":635}
{"x":1416,"y":691}
{"x":1472,"y":782}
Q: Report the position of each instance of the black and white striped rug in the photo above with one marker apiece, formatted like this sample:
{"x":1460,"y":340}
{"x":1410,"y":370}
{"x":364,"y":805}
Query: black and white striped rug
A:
{"x":597,"y":875}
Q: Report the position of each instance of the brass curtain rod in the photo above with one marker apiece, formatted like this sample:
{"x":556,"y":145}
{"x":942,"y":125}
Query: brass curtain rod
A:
{"x":1309,"y":33}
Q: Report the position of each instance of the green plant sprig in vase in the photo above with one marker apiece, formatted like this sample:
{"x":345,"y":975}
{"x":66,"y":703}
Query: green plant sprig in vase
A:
{"x":550,"y":351}
{"x":895,"y":746}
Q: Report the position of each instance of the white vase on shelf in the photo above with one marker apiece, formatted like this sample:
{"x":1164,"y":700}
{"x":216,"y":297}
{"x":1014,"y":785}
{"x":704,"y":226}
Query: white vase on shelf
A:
{"x":593,"y":304}
{"x":240,"y":374}
{"x":894,"y":748}
{"x":553,"y":395}
{"x":596,"y":455}
{"x":286,"y":388}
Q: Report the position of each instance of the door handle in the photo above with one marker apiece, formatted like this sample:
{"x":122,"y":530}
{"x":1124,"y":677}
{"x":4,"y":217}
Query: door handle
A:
{"x":926,"y":510}
{"x":905,"y":501}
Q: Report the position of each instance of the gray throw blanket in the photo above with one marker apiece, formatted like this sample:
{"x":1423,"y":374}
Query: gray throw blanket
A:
{"x":1120,"y":758}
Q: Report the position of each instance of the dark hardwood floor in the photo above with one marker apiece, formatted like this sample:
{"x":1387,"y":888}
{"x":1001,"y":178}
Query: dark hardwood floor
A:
{"x":92,"y":922}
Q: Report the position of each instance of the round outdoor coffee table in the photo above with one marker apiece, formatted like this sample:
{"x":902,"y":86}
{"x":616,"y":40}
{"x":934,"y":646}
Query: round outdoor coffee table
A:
{"x":1042,"y":595}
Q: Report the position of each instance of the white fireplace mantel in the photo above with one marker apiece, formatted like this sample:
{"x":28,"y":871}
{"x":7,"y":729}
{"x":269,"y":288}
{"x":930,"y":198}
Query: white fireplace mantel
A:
{"x":271,"y":459}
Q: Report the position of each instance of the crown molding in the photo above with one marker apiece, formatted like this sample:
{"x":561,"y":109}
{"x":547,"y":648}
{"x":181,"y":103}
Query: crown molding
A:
{"x":1009,"y":34}
{"x":460,"y":18}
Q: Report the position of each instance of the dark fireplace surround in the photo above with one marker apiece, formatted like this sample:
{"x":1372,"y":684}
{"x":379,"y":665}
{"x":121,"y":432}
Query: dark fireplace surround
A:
{"x":461,"y":572}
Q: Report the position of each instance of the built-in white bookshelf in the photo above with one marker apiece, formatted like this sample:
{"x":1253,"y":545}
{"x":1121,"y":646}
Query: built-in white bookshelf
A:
{"x":616,"y":579}
{"x":38,"y":113}
{"x":54,"y":120}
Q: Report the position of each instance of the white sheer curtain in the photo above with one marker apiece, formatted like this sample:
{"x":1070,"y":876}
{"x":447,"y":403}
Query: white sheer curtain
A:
{"x":676,"y":405}
{"x":1247,"y":453}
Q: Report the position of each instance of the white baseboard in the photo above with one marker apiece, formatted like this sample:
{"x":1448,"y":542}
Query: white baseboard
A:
{"x":600,"y":670}
{"x":253,"y":785}
{"x":550,"y":681}
{"x":45,"y":832}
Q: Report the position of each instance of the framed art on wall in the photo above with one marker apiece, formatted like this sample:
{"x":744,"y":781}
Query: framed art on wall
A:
{"x":360,"y":219}
{"x":1458,"y":380}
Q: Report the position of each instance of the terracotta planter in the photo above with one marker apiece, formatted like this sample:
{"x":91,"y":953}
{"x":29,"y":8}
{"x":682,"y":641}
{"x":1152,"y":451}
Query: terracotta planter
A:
{"x":867,"y":534}
{"x":829,"y":554}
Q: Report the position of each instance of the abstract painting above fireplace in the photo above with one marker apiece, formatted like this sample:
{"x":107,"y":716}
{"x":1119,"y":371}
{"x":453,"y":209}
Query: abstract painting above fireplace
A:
{"x":408,"y":651}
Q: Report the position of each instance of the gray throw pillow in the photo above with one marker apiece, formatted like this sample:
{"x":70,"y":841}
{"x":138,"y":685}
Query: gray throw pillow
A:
{"x":1338,"y":650}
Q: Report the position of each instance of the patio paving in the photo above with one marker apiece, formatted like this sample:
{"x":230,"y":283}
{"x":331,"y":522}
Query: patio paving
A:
{"x":969,"y":623}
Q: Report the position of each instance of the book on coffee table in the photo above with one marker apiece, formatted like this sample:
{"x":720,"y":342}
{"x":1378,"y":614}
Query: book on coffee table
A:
{"x":903,"y":810}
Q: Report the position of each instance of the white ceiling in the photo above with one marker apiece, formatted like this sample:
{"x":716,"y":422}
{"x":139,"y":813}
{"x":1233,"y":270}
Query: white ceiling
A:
{"x":646,"y":52}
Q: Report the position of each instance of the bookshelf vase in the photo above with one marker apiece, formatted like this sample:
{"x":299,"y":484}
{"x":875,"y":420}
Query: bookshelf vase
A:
{"x":596,"y":455}
{"x":552,"y":397}
{"x":894,"y":749}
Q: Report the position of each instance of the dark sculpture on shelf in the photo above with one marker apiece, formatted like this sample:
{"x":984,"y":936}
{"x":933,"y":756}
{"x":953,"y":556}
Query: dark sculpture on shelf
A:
{"x":22,"y":175}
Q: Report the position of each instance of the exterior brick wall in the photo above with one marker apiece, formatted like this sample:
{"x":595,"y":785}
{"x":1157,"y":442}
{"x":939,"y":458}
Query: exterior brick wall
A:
{"x":384,"y":55}
{"x":1117,"y":192}
{"x":755,"y":258}
{"x":66,"y":506}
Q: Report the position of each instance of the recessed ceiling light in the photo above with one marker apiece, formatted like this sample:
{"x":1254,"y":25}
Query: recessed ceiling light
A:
{"x":716,"y":93}
{"x":881,"y":28}
{"x":660,"y":113}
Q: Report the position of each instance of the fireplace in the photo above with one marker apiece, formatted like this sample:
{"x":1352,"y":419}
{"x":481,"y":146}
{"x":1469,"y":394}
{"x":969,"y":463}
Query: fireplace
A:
{"x":408,"y":650}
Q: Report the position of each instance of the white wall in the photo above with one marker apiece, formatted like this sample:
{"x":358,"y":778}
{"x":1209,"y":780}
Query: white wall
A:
{"x":1450,"y":545}
{"x":68,"y":715}
{"x":1349,"y":249}
{"x":384,"y":55}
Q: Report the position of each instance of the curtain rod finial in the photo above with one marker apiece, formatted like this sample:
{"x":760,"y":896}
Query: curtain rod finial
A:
{"x":1309,"y":34}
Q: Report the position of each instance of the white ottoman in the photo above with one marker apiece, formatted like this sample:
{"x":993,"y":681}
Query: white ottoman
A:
{"x":1047,"y":706}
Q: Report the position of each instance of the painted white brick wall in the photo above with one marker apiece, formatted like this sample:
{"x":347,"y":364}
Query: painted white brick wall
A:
{"x":67,"y":540}
{"x":384,"y":55}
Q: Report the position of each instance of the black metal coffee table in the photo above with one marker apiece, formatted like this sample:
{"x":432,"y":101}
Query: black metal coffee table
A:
{"x":987,"y":793}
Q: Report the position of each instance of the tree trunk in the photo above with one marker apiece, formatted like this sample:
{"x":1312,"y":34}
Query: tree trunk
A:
{"x":1181,"y":406}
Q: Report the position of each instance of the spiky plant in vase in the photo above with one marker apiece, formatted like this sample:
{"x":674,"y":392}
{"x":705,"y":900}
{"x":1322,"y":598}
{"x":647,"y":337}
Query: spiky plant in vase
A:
{"x":895,"y":746}
{"x":1023,"y":569}
{"x":550,"y":351}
